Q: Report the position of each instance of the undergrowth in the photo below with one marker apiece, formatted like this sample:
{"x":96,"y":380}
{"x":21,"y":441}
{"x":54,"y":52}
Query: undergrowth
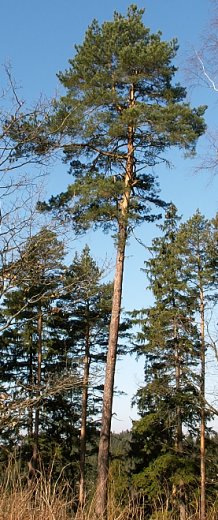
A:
{"x":46,"y":499}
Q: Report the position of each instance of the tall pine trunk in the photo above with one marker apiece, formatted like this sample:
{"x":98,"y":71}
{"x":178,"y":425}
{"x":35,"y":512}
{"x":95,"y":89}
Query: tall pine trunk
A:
{"x":104,"y":443}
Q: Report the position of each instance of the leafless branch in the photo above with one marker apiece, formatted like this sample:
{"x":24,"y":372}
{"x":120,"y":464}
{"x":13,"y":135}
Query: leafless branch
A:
{"x":211,"y":82}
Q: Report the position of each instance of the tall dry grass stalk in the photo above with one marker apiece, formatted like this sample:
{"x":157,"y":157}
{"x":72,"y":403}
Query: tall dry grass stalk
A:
{"x":46,"y":499}
{"x":41,"y":499}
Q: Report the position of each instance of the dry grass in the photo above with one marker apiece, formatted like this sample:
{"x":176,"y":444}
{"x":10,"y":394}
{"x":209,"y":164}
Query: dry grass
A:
{"x":48,"y":500}
{"x":39,"y":500}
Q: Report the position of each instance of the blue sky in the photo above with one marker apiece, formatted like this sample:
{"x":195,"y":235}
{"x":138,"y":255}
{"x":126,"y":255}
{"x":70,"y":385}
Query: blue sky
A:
{"x":37,"y":38}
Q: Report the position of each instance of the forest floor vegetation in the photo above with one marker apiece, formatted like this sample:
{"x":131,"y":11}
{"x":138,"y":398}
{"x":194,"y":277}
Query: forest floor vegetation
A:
{"x":48,"y":499}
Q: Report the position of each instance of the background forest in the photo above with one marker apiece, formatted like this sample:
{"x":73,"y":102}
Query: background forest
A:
{"x":120,"y":117}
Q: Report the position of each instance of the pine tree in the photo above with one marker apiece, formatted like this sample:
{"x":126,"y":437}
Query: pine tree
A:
{"x":121,"y":112}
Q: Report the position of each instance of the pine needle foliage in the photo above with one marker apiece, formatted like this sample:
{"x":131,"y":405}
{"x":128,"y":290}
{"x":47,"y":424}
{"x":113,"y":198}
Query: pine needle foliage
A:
{"x":119,"y":88}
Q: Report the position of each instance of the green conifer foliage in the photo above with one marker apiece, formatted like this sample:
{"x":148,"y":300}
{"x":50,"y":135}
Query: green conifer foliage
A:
{"x":74,"y":306}
{"x":37,"y":278}
{"x":199,"y":238}
{"x":182,"y":272}
{"x":85,"y":307}
{"x":168,"y":402}
{"x":121,"y":112}
{"x":119,"y":88}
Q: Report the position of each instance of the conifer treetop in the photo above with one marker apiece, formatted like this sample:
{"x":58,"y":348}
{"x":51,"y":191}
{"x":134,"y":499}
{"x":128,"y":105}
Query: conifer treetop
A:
{"x":119,"y":89}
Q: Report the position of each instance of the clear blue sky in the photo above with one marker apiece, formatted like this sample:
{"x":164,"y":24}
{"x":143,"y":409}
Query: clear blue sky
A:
{"x":37,"y":37}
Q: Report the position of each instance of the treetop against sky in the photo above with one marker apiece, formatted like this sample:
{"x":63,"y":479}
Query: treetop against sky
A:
{"x":42,"y":41}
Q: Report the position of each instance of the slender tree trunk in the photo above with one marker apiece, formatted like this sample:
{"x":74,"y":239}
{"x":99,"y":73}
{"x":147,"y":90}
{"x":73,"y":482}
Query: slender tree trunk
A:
{"x":39,"y":371}
{"x":202,"y":398}
{"x":31,"y":382}
{"x":178,"y":440}
{"x":104,"y":443}
{"x":83,"y":438}
{"x":31,"y":470}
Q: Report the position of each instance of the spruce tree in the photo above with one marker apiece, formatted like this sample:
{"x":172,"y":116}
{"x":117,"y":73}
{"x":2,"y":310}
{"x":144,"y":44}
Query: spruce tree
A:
{"x":199,"y":238}
{"x":121,"y":112}
{"x":169,"y":340}
{"x":37,"y":273}
{"x":61,"y":329}
{"x":87,"y":309}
